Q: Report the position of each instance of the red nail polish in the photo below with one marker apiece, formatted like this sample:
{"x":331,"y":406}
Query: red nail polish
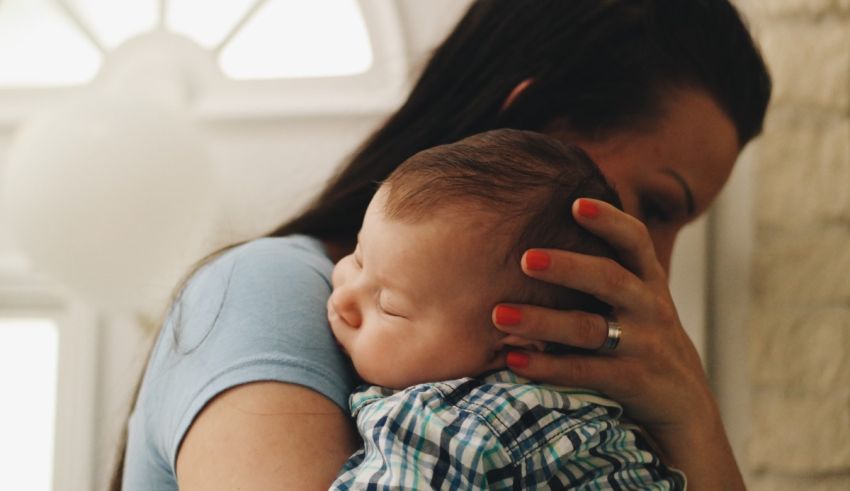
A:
{"x":537,"y":260}
{"x":587,"y":208}
{"x":507,"y":316}
{"x":516,"y":359}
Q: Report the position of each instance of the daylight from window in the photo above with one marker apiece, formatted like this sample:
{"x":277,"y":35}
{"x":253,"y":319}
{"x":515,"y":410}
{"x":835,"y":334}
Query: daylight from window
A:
{"x":39,"y":47}
{"x":63,"y":42}
{"x":295,"y":38}
{"x":28,"y":360}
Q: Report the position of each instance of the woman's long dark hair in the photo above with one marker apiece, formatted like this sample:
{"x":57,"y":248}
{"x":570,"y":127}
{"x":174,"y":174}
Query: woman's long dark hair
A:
{"x":600,"y":65}
{"x":597,"y":65}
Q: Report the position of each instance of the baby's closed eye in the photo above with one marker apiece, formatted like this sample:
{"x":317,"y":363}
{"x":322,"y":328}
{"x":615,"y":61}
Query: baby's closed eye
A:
{"x":386,"y":306}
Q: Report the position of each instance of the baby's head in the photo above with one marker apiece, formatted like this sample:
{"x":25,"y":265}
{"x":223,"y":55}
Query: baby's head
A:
{"x":441,"y":244}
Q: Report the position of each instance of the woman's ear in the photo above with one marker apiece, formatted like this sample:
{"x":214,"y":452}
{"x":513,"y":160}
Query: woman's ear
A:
{"x":511,"y":341}
{"x":515,"y":92}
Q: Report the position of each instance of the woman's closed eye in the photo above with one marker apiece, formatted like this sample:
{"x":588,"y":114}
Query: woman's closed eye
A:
{"x":654,"y":211}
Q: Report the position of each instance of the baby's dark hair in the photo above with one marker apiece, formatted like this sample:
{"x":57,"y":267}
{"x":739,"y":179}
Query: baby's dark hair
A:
{"x":528,"y":181}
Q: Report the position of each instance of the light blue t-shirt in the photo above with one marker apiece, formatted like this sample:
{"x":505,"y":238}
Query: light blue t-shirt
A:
{"x":257,"y":312}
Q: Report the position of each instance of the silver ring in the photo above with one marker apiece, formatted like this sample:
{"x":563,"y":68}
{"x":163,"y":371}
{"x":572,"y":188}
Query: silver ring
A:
{"x":613,"y":338}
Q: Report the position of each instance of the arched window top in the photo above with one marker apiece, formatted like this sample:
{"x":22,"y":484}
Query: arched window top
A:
{"x":295,"y":39}
{"x":58,"y":43}
{"x":39,"y":47}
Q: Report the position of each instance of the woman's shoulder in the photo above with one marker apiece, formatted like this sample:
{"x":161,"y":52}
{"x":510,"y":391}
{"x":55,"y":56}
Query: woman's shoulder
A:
{"x":270,"y":264}
{"x":262,"y":303}
{"x":277,"y":254}
{"x":257,"y":312}
{"x":282,"y":247}
{"x":275,"y":286}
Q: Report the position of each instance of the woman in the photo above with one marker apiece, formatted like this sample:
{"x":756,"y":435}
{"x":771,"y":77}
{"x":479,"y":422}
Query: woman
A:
{"x":663,"y":94}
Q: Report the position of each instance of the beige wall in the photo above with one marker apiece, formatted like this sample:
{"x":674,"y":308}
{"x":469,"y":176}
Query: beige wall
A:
{"x":799,"y":327}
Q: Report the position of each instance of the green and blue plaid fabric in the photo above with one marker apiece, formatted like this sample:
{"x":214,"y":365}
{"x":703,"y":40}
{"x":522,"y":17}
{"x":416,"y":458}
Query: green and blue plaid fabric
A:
{"x":497,"y":431}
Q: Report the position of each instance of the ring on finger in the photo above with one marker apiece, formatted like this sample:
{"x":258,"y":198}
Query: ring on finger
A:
{"x":612,"y":340}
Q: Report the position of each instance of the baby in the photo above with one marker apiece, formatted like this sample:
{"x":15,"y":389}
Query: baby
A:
{"x":440,"y":246}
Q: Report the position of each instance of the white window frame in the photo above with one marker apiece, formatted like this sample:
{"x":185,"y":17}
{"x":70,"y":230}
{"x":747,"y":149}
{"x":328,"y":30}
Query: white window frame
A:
{"x":23,"y":296}
{"x":378,"y":90}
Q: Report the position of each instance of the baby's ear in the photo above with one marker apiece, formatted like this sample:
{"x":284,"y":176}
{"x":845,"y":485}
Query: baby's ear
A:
{"x":512,"y":341}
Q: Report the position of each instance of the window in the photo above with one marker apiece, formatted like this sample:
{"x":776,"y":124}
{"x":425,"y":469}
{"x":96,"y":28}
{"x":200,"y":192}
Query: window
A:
{"x":39,"y":47}
{"x":29,"y":351}
{"x":64,"y":42}
{"x":293,"y":39}
{"x":242,"y":59}
{"x":48,"y":374}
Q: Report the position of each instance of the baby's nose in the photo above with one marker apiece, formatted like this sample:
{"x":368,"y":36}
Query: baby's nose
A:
{"x":346,"y":306}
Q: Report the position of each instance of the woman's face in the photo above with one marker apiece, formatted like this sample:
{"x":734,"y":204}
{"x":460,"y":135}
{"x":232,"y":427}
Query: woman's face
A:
{"x":669,"y":174}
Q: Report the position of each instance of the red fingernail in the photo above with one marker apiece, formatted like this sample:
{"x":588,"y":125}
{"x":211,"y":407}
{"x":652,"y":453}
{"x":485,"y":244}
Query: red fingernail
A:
{"x":537,"y":260}
{"x":517,"y":360}
{"x":587,"y":208}
{"x":507,"y":316}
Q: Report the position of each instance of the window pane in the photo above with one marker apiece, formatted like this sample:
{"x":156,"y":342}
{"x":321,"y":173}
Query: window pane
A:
{"x":297,"y":38}
{"x":40,"y":47}
{"x":115,"y":21}
{"x":28,"y":357}
{"x":203,"y":21}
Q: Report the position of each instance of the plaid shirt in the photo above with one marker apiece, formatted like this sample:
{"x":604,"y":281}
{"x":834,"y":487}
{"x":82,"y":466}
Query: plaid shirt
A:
{"x":497,"y":432}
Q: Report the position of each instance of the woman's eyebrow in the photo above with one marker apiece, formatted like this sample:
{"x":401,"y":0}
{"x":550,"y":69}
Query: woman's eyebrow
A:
{"x":689,"y":195}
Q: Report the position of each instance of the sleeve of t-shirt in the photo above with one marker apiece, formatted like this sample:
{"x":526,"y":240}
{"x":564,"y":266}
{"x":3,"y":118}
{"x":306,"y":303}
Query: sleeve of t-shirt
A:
{"x":256,"y":313}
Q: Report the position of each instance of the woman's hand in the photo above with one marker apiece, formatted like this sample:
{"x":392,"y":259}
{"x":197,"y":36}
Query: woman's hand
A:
{"x":655,"y":372}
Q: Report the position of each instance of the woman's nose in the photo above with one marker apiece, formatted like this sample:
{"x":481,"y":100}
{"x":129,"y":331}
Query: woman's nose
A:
{"x":345,"y":303}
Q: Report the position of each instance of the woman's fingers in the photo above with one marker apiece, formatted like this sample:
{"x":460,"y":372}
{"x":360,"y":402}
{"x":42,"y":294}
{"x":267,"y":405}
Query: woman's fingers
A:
{"x":628,"y":235}
{"x":585,"y":371}
{"x":655,"y":359}
{"x":601,"y":277}
{"x":573,"y":328}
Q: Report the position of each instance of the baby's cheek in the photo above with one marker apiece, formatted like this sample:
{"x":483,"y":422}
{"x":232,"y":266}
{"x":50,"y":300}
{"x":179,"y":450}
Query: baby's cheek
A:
{"x":390,"y":364}
{"x":377,"y":373}
{"x":367,"y":358}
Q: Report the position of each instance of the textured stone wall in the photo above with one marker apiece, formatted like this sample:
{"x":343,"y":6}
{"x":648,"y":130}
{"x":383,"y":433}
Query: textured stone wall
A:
{"x":800,"y":324}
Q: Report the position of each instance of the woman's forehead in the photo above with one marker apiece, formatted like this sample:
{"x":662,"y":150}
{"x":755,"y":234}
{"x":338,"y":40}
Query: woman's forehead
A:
{"x":693,"y":142}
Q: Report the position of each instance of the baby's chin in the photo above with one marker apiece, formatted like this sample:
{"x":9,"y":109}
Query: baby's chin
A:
{"x":385,"y":381}
{"x":400,"y":381}
{"x":391,"y":381}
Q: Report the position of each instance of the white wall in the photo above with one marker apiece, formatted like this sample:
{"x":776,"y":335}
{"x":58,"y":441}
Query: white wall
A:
{"x":799,"y":325}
